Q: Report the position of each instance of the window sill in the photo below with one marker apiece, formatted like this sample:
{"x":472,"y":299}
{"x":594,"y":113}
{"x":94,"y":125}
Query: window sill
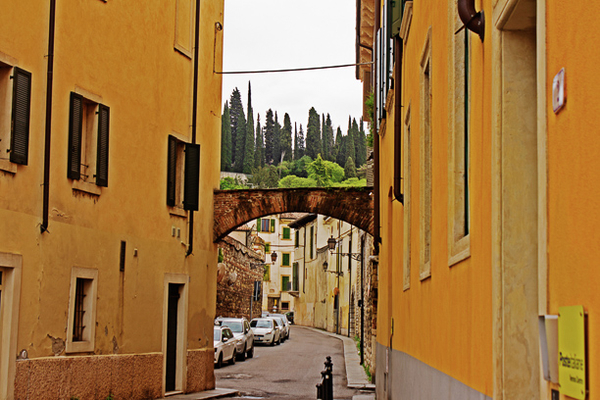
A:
{"x":7,"y":166}
{"x":178,"y":212}
{"x":79,"y":347}
{"x":86,"y":187}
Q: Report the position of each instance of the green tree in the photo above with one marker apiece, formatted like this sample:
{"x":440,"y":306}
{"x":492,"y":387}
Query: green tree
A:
{"x":226,"y":139}
{"x":337,"y":144}
{"x":293,"y":181}
{"x":313,"y":134}
{"x":320,"y":172}
{"x":259,"y":157}
{"x":350,"y":168}
{"x":299,"y":149}
{"x":286,"y":138}
{"x":350,"y":148}
{"x":269,"y":137}
{"x":238,"y":129}
{"x":229,"y":183}
{"x":361,"y":145}
{"x":249,"y":145}
{"x":264,"y":178}
{"x":277,"y":141}
{"x":299,"y":167}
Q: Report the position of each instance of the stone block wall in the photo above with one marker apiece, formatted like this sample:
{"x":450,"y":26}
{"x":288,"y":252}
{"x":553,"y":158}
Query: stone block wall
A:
{"x":241,"y":266}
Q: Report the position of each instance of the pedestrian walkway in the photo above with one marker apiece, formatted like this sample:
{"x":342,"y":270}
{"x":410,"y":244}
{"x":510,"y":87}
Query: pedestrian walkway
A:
{"x":355,"y":373}
{"x":207,"y":394}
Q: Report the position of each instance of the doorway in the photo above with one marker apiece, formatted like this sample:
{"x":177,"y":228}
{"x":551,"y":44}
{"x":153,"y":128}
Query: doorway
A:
{"x":175,"y":332}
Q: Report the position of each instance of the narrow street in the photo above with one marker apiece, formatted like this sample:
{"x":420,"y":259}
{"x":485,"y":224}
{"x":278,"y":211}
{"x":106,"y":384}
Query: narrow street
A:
{"x":288,"y":371}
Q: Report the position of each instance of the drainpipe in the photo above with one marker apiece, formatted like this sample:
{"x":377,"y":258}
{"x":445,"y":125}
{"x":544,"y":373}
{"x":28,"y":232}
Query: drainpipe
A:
{"x":48,"y":136}
{"x":473,"y":20}
{"x":194,"y":116}
{"x":398,"y":120}
{"x":376,"y":184}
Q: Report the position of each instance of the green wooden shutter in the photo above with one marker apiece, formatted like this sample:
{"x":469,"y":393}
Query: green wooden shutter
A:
{"x":285,"y":259}
{"x":102,"y":156}
{"x":285,"y":283}
{"x":171,"y":170}
{"x":258,"y":224}
{"x":75,"y":128}
{"x":272,"y":225}
{"x":192,"y":177}
{"x":286,"y":233}
{"x":21,"y":107}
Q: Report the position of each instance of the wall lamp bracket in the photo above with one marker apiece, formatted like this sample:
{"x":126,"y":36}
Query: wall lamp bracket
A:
{"x":473,"y":20}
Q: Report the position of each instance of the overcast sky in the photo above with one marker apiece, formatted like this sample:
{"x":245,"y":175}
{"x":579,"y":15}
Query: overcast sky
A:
{"x":279,"y":34}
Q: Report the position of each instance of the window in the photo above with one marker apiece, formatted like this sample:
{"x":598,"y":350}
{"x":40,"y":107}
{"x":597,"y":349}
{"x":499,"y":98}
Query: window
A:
{"x":286,"y":233}
{"x":267,"y":247}
{"x":267,"y":273}
{"x":458,"y":174}
{"x":15,"y":107}
{"x":297,"y":243}
{"x":82,"y":310}
{"x":285,"y":305}
{"x":407,"y":160}
{"x":285,"y":283}
{"x":426,"y":162}
{"x":295,"y":277}
{"x":88,"y":140}
{"x":264,"y":225}
{"x":272,"y":225}
{"x":183,"y":174}
{"x":312,"y":235}
{"x":285,"y":259}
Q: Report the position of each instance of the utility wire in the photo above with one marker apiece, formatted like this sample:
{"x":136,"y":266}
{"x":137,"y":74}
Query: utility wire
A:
{"x":270,"y":71}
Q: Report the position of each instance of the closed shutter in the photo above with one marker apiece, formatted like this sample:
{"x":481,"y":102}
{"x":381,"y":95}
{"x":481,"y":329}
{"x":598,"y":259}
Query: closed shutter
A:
{"x":102,"y":157}
{"x":19,"y":138}
{"x":272,"y":225}
{"x":192,"y":177}
{"x":75,"y":126}
{"x":171,"y":170}
{"x":258,"y":223}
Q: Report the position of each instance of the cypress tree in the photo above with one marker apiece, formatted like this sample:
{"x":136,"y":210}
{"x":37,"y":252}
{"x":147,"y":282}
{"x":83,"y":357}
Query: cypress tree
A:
{"x":286,"y":138}
{"x":259,"y":157}
{"x":361,"y":148}
{"x":277,"y":141}
{"x":350,"y":149}
{"x":226,"y":139}
{"x":339,"y":146}
{"x":238,"y":129}
{"x":350,"y":168}
{"x":313,"y":135}
{"x":269,"y":133}
{"x":328,"y":144}
{"x":301,"y":147}
{"x":296,"y":141}
{"x":249,"y":144}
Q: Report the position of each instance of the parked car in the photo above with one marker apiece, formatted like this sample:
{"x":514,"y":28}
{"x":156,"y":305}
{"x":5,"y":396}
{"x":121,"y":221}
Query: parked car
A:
{"x":244,"y":337}
{"x":265,"y":331}
{"x":224,"y":343}
{"x":286,"y":324}
{"x":282,"y":328}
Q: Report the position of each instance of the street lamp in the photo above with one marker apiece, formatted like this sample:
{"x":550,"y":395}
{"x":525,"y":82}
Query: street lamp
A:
{"x":273,"y":257}
{"x":332,"y":242}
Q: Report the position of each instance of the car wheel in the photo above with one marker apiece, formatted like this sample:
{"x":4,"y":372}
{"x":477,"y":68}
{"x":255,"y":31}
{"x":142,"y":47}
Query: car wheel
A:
{"x":272,"y":342}
{"x":220,"y":361}
{"x":233,"y":357}
{"x":242,"y":355}
{"x":250,"y":352}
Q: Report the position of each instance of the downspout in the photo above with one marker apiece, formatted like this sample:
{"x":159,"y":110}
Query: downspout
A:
{"x":473,"y":20}
{"x":398,"y":120}
{"x":194,"y":116}
{"x":376,"y":183}
{"x":304,"y":266}
{"x":349,"y":277}
{"x":48,"y":136}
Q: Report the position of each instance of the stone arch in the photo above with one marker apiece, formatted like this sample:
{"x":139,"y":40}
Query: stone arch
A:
{"x":237,"y":207}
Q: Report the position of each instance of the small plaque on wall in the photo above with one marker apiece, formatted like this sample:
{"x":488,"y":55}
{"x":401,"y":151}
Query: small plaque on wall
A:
{"x":571,"y":352}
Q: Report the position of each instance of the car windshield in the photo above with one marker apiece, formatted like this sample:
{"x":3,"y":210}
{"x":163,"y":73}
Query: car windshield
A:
{"x":261,"y":323}
{"x":235,"y":326}
{"x":278,"y":321}
{"x":217,"y":335}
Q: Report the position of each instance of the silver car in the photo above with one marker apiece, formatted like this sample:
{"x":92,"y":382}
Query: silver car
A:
{"x":286,"y":329}
{"x":224,"y":344}
{"x":244,"y":337}
{"x":265,"y":331}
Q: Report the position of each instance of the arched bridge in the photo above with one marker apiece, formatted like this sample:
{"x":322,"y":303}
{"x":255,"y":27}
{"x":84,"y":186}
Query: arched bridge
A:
{"x":237,"y":207}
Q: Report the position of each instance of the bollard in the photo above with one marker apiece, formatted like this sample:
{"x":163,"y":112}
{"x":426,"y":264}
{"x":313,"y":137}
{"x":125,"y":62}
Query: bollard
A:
{"x":325,"y":388}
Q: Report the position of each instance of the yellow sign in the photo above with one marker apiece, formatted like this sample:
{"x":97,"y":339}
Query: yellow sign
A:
{"x":571,"y":351}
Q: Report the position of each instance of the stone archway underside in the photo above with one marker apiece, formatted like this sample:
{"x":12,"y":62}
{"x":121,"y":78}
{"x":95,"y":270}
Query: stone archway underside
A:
{"x":237,"y":207}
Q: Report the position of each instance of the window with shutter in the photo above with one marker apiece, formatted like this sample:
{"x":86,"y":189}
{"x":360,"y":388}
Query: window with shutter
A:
{"x":258,"y":222}
{"x":272,"y":225}
{"x":19,"y":139}
{"x":192,"y":177}
{"x":183,"y":175}
{"x":15,"y":108}
{"x":285,"y":259}
{"x":88,"y":151}
{"x":172,"y":172}
{"x":286,"y":232}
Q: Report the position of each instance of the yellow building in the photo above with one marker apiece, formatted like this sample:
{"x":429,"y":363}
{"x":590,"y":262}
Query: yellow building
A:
{"x":107,"y":264}
{"x":485,"y":195}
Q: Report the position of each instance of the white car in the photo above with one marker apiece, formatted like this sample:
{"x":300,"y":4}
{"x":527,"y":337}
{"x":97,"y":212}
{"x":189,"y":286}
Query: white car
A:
{"x":265,"y":331}
{"x":224,"y":343}
{"x":244,"y":337}
{"x":286,"y":329}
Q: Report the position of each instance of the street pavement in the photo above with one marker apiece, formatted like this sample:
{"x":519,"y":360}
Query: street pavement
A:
{"x":292,"y":370}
